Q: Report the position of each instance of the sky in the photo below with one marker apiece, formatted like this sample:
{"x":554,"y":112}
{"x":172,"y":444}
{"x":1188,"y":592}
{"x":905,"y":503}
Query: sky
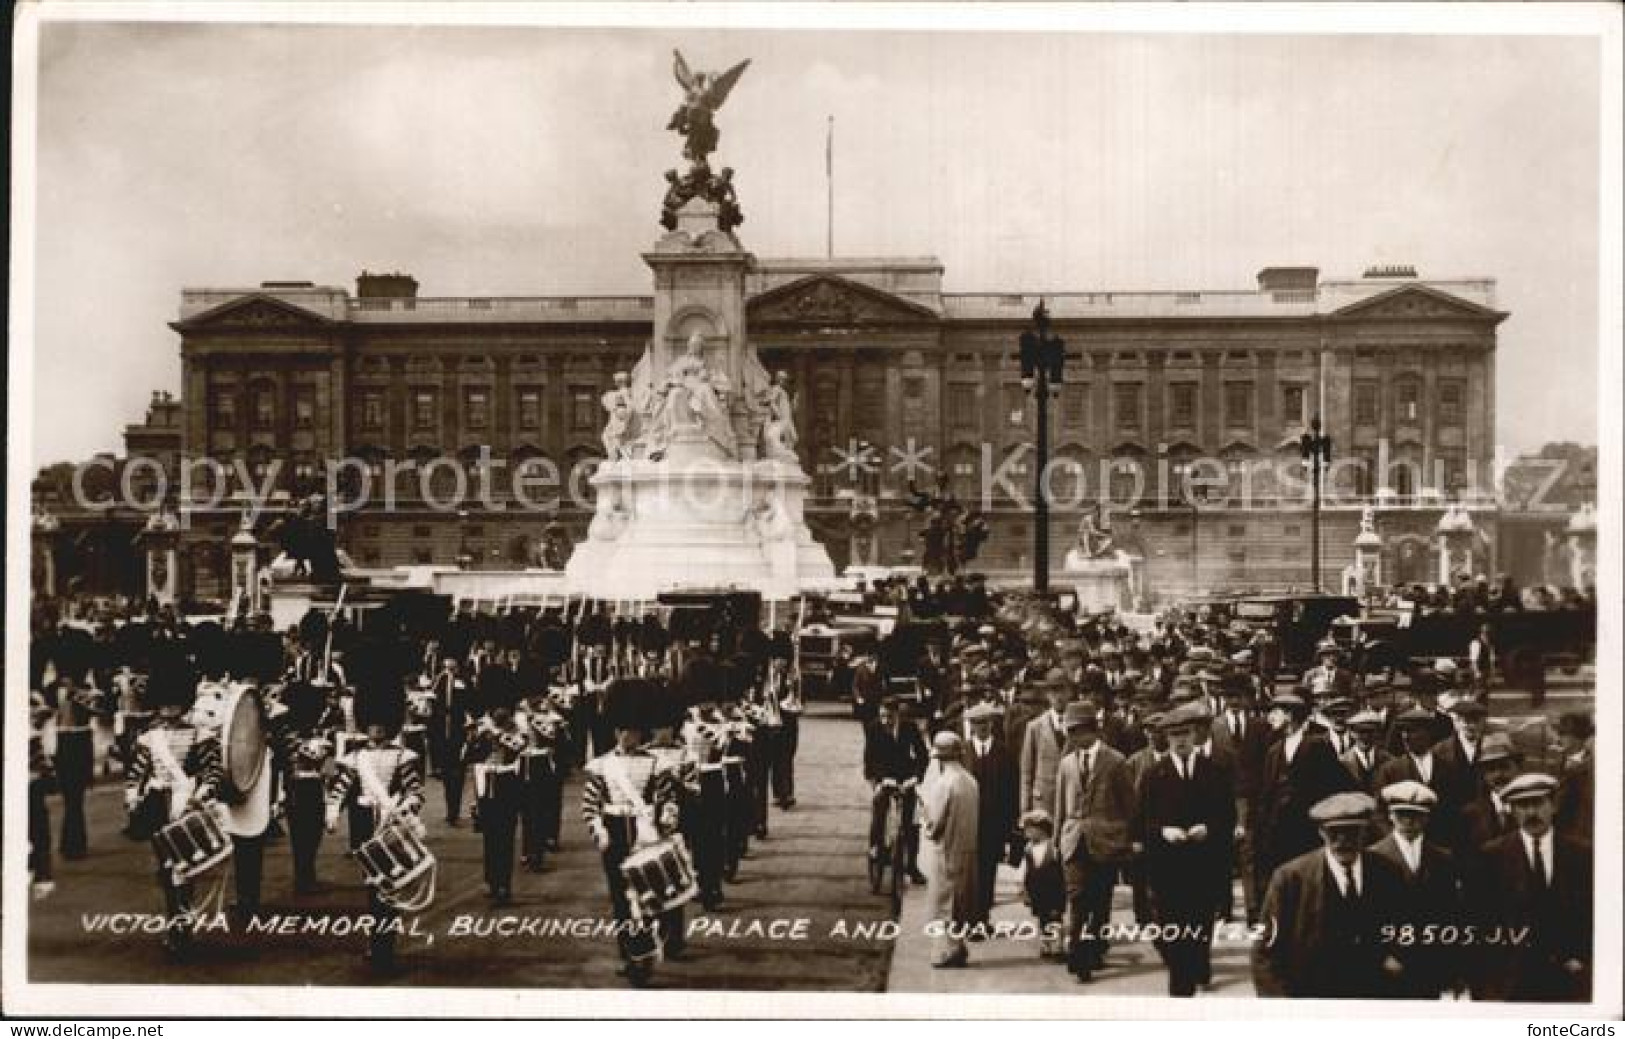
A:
{"x":529,"y":161}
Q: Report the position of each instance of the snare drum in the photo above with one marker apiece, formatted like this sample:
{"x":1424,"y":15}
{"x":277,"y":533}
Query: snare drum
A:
{"x":192,"y":844}
{"x":395,"y":856}
{"x":659,"y":878}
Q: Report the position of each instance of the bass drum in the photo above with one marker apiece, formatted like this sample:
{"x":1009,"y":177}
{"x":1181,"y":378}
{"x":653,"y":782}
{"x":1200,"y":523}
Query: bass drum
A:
{"x":245,"y":763}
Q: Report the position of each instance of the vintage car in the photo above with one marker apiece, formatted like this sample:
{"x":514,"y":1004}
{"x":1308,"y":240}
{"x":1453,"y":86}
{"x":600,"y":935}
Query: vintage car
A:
{"x":1403,"y":639}
{"x":1297,"y":622}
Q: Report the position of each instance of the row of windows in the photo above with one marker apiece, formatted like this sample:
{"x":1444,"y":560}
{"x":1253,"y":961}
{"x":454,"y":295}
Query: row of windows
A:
{"x":962,"y":405}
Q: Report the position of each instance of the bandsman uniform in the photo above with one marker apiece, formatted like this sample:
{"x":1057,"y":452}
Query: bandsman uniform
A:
{"x":372,"y":784}
{"x":494,"y":751}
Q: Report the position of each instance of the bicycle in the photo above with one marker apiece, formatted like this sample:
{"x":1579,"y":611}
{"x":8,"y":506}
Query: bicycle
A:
{"x":892,"y":851}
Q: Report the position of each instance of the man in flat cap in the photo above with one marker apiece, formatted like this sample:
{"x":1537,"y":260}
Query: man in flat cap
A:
{"x":1042,"y":746}
{"x":1459,"y":754}
{"x":1300,"y":771}
{"x":1364,"y":758}
{"x":1488,"y":816}
{"x":1185,"y":823}
{"x":1095,"y":808}
{"x":1433,"y":895}
{"x":1326,"y":909}
{"x":894,"y":749}
{"x":949,"y":808}
{"x":990,"y":764}
{"x":1540,"y":880}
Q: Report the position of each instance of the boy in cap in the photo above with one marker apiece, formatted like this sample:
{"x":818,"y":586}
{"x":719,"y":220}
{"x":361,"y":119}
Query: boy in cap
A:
{"x":1539,"y":879}
{"x":1327,"y":908}
{"x":1043,"y":885}
{"x":1432,"y":890}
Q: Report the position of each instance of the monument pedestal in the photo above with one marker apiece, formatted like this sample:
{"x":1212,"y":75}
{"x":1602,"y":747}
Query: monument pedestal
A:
{"x":688,"y":499}
{"x":662,"y":526}
{"x":1100,"y":584}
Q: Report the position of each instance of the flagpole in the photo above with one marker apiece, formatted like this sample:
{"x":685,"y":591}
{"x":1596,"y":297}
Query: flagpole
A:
{"x":829,"y":193}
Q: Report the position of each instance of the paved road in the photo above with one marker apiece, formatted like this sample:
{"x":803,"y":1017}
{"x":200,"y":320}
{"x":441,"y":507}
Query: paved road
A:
{"x":810,"y":867}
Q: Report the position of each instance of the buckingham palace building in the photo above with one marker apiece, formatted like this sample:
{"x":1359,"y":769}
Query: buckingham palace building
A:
{"x":1180,"y":411}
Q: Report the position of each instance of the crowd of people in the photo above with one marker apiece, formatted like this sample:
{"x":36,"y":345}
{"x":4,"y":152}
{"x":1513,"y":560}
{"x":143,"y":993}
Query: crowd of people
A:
{"x":682,"y":724}
{"x":1386,"y":838}
{"x":1371,"y":835}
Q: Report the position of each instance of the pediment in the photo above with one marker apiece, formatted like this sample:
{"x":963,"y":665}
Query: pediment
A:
{"x":254,"y":311}
{"x":1412,"y":302}
{"x":826,"y":299}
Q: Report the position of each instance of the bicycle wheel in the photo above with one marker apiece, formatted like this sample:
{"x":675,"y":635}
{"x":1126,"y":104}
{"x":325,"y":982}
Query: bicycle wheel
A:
{"x":899,"y":867}
{"x":877,"y":870}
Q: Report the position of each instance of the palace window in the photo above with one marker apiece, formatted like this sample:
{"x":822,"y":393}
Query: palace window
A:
{"x":423,"y":409}
{"x":223,"y":410}
{"x":1015,"y":404}
{"x":962,"y":405}
{"x":304,"y":407}
{"x":1365,"y":403}
{"x":1238,"y":403}
{"x":530,"y":408}
{"x":1408,"y":398}
{"x":1074,"y":404}
{"x":476,"y":408}
{"x":264,"y":407}
{"x":913,"y":400}
{"x":583,"y":409}
{"x":1127,"y":406}
{"x":372,"y":410}
{"x":1293,"y":400}
{"x":1452,"y":400}
{"x":1182,"y":405}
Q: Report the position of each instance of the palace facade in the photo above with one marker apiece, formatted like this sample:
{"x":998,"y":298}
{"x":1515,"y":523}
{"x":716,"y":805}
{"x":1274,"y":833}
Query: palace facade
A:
{"x":895,"y":379}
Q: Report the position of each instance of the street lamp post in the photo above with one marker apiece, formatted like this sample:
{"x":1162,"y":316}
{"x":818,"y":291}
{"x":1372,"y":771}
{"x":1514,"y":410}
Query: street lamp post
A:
{"x":1316,"y":449}
{"x":1043,"y":357}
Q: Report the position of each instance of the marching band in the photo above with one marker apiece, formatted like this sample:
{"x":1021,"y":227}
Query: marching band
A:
{"x":675,"y":737}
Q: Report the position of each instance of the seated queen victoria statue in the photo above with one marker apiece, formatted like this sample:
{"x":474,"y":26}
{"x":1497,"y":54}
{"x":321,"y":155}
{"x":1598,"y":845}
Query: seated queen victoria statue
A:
{"x":694,"y":399}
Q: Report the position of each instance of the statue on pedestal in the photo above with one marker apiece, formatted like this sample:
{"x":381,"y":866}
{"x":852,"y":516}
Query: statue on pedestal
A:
{"x":1095,"y":535}
{"x":619,"y":435}
{"x":693,"y":398}
{"x":779,"y":430}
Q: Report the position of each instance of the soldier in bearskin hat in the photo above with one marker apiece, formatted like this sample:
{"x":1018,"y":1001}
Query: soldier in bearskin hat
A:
{"x":176,"y":768}
{"x":305,"y":749}
{"x":673,"y":757}
{"x":378,"y":781}
{"x":628,"y":802}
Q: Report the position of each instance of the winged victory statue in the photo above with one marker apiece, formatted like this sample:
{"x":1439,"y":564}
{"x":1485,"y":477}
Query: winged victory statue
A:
{"x":703,"y":94}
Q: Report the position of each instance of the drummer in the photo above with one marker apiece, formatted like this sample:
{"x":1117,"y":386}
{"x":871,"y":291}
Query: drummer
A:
{"x":681,"y":766}
{"x":376,"y":782}
{"x":627,"y":802}
{"x":176,"y":768}
{"x":494,"y":752}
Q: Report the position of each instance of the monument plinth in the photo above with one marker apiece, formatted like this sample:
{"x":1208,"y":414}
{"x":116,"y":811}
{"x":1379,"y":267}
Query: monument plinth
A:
{"x":701,"y":486}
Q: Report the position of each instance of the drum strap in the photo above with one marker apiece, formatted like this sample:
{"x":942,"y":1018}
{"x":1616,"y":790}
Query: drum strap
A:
{"x":179,"y":781}
{"x":374,"y":787}
{"x":615,"y":775}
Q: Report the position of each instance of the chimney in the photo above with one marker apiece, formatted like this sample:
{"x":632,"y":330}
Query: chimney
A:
{"x":1288,"y":279}
{"x":386,"y":286}
{"x":1391,"y":270}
